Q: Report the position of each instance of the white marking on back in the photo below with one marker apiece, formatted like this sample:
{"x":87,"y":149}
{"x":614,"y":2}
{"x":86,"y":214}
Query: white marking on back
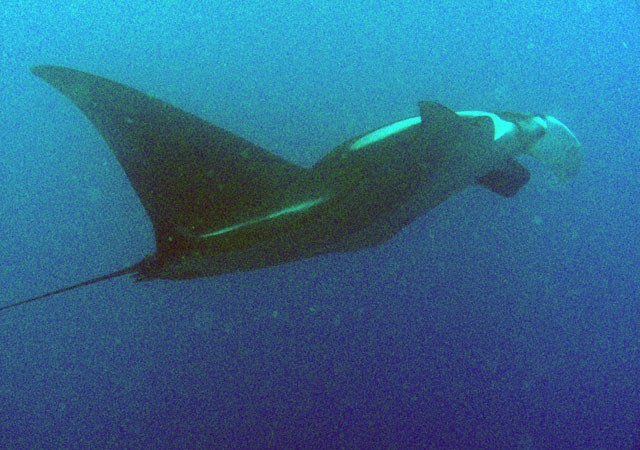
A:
{"x":384,"y":132}
{"x":289,"y":210}
{"x":501,"y":127}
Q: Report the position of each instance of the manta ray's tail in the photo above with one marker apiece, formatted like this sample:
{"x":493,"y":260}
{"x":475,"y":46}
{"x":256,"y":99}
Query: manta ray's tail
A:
{"x":558,"y":149}
{"x":118,"y":273}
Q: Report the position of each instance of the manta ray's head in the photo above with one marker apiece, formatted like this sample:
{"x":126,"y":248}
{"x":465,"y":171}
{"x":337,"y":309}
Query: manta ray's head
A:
{"x":555,"y":145}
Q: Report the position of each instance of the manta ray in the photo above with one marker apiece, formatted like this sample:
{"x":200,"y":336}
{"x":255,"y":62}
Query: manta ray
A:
{"x":220,"y":204}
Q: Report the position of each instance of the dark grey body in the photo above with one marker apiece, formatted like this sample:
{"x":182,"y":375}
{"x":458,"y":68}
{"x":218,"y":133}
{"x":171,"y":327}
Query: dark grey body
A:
{"x":368,"y":196}
{"x":219,"y":203}
{"x":209,"y":193}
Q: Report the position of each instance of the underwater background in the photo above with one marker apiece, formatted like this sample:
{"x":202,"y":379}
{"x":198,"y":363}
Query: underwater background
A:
{"x":489,"y":323}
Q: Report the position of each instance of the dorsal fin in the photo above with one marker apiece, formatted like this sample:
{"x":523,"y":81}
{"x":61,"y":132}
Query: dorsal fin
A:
{"x":433,"y":112}
{"x":187,"y":172}
{"x":443,"y":124}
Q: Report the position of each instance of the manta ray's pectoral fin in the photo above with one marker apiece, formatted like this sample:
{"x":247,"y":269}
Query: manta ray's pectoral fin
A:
{"x":187,"y":172}
{"x":507,"y":180}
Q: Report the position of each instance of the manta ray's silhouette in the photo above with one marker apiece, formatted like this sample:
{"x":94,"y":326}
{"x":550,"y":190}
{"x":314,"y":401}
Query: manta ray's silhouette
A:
{"x":219,"y":203}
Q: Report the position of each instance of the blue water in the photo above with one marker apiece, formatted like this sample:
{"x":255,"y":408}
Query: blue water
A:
{"x":489,"y":323}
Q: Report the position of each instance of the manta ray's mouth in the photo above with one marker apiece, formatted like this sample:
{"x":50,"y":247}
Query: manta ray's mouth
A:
{"x":559,"y":149}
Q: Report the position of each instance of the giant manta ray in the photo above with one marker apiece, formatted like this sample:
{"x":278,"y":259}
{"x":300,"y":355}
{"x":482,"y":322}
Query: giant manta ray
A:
{"x":219,"y":203}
